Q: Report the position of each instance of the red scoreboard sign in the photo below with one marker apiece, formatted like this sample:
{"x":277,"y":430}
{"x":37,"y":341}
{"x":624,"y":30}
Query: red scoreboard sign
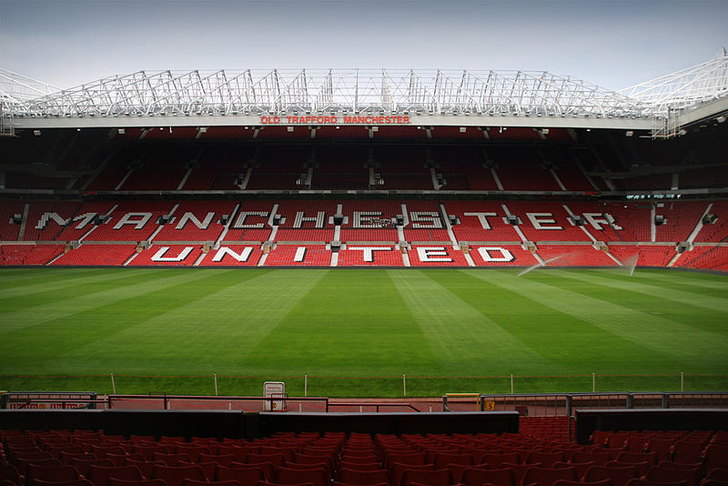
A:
{"x":336,"y":120}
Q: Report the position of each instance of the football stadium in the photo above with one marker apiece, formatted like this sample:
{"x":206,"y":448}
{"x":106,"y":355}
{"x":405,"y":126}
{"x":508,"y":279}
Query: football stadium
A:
{"x":367,"y":277}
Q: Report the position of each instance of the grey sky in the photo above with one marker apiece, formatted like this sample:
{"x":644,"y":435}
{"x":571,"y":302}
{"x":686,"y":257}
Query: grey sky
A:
{"x":610,"y":43}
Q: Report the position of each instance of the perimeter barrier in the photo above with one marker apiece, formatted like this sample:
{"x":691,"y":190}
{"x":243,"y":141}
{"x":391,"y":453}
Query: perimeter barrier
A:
{"x":564,"y":404}
{"x":400,"y":386}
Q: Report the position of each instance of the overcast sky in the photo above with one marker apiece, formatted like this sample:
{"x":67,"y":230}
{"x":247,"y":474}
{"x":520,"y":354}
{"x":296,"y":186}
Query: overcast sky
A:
{"x":610,"y":43}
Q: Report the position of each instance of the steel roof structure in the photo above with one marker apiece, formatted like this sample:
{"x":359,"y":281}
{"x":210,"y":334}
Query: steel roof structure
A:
{"x":686,"y":88}
{"x":437,"y":97}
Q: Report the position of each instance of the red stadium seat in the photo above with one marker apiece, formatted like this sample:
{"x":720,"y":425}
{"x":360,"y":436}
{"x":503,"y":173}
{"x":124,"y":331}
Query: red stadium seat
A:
{"x":174,"y":476}
{"x":100,"y":475}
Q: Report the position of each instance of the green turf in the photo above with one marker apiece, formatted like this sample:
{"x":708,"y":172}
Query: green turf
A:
{"x":355,"y":332}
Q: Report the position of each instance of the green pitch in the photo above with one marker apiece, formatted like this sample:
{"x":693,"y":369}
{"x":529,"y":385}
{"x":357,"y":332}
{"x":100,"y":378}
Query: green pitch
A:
{"x":356,"y":332}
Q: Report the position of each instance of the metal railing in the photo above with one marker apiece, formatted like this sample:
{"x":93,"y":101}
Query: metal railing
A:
{"x":564,"y":404}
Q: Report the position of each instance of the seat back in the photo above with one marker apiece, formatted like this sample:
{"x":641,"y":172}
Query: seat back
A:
{"x":434,"y":477}
{"x":357,"y":476}
{"x":619,"y":475}
{"x":546,"y":476}
{"x":478,"y":476}
{"x":52,"y":473}
{"x":245,"y":474}
{"x":100,"y":475}
{"x":174,"y":476}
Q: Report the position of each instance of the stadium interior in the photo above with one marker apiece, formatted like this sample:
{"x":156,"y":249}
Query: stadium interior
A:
{"x":457,"y":195}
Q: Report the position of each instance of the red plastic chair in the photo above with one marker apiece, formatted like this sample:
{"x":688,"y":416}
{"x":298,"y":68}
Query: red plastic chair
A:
{"x":52,"y":473}
{"x":277,"y":460}
{"x":339,"y":483}
{"x":141,"y":482}
{"x":497,"y":459}
{"x":580,"y":467}
{"x":518,"y":469}
{"x":268,"y":483}
{"x":209,"y":468}
{"x":674,"y":466}
{"x":239,"y":453}
{"x":477,"y":476}
{"x":223,"y":460}
{"x":688,"y":451}
{"x":546,"y":476}
{"x":565,"y":482}
{"x":616,"y":441}
{"x":72,"y":482}
{"x":329,"y":461}
{"x":715,"y":456}
{"x":101,"y":451}
{"x":144,"y":466}
{"x":82,"y":465}
{"x":286,"y":475}
{"x":100,"y":475}
{"x":445,"y":459}
{"x":649,"y":482}
{"x":547,"y":459}
{"x":147,"y":452}
{"x":287,"y":452}
{"x":192,"y":451}
{"x":416,"y":459}
{"x":397,"y":471}
{"x":642,"y":467}
{"x":360,"y":466}
{"x":174,"y":476}
{"x":434,"y":477}
{"x":57,"y":450}
{"x":29,"y":455}
{"x":637,"y":457}
{"x":8,"y":472}
{"x":599,"y":458}
{"x":619,"y":475}
{"x":660,"y":446}
{"x":718,"y":474}
{"x":171,"y":459}
{"x":23,"y":465}
{"x":193,"y":482}
{"x":691,"y":476}
{"x":246,"y":474}
{"x":357,"y":476}
{"x":66,"y":457}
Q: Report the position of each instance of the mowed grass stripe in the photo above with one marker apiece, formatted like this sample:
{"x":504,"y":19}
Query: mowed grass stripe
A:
{"x":40,"y":348}
{"x":352,"y":323}
{"x":686,"y":344}
{"x":677,"y":290}
{"x":654,"y":304}
{"x":570,"y":345}
{"x":677,"y":276}
{"x":46,"y":294}
{"x":74,"y":304}
{"x":465,"y":339}
{"x":11,"y":280}
{"x":205,"y":328}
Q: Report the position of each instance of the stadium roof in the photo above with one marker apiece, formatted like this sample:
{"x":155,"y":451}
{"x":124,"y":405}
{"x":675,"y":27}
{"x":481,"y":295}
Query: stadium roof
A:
{"x":416,"y":97}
